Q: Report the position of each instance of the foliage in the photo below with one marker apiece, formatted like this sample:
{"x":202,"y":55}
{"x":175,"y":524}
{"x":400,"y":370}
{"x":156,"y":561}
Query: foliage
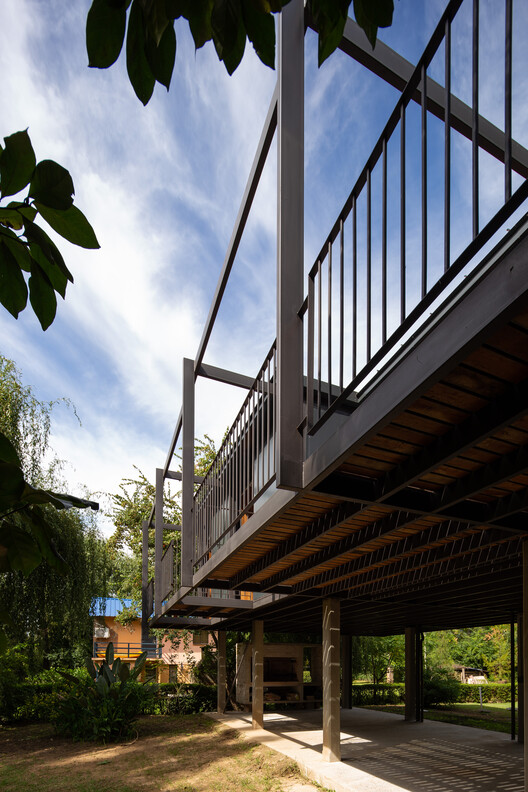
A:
{"x":104,"y":706}
{"x":484,"y":647}
{"x":363,"y":695}
{"x":438,"y":690}
{"x":25,"y":248}
{"x":44,"y":605}
{"x":184,"y":698}
{"x":151,"y":37}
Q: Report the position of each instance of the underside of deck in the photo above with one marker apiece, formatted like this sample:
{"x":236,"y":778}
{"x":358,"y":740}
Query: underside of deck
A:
{"x":414,"y":508}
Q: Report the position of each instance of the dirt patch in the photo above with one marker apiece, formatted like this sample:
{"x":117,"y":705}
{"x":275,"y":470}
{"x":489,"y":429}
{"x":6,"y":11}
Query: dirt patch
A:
{"x":181,"y":754}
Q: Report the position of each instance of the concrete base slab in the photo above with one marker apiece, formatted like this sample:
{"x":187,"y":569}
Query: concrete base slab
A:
{"x":383,"y":753}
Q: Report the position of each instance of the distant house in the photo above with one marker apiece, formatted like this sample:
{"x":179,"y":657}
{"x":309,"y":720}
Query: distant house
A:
{"x":169,"y":660}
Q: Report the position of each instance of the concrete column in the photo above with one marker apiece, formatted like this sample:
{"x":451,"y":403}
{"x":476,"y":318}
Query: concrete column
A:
{"x":346,"y":651}
{"x":221,"y":671}
{"x":257,"y":697}
{"x":520,"y":681}
{"x":331,"y":669}
{"x":411,"y":693}
{"x":525,"y":658}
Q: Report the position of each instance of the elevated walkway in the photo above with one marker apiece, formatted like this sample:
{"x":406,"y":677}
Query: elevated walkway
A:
{"x":384,"y":753}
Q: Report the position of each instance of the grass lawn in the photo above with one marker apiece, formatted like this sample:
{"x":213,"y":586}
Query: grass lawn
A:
{"x":494,"y":717}
{"x":180,"y":754}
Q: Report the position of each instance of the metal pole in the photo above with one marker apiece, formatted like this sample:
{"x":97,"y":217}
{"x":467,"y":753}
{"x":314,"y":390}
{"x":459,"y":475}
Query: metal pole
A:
{"x":290,"y":244}
{"x":144,"y":581}
{"x":158,"y":542}
{"x":187,"y":474}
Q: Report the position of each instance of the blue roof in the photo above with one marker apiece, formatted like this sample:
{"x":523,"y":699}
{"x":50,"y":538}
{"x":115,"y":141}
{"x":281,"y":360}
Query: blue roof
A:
{"x":109,"y":606}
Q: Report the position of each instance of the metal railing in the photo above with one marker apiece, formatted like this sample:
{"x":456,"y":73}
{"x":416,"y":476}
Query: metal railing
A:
{"x":391,"y":251}
{"x":129,"y":651}
{"x":243,"y":469}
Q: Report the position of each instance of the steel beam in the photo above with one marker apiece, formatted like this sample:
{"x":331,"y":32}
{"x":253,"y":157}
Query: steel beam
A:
{"x":396,"y":70}
{"x":225,"y":376}
{"x":290,"y":245}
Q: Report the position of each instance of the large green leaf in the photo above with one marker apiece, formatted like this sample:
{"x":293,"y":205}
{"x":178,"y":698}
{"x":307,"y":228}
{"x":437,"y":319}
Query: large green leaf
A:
{"x":34,"y":519}
{"x":57,"y":278}
{"x":109,"y":654}
{"x":260,"y":29}
{"x":71,"y":224}
{"x":52,"y":185}
{"x":105,"y":32}
{"x":11,"y":218}
{"x":18,"y":248}
{"x":138,"y":665}
{"x":8,"y":452}
{"x":35,"y":234}
{"x":42,"y":296}
{"x":13,"y":289}
{"x":229,"y":33}
{"x":31,"y":495}
{"x":156,"y":19}
{"x":372,"y":14}
{"x":139,"y":71}
{"x":23,"y":553}
{"x":161,"y":58}
{"x":330,"y":19}
{"x":12,"y":485}
{"x":90,"y":667}
{"x":198,"y":13}
{"x":17,"y":163}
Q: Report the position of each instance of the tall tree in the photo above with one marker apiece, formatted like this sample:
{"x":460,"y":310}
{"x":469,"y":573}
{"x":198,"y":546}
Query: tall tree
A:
{"x":47,"y":602}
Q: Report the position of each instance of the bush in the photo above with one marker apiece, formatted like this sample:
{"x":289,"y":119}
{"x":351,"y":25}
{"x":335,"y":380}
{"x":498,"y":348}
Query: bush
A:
{"x":182,"y":699}
{"x":492,"y":693}
{"x":363,"y":695}
{"x":440,"y":691}
{"x":106,"y":704}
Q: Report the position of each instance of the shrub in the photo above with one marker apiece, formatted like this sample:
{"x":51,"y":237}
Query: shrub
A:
{"x":363,"y":695}
{"x":440,"y":691}
{"x":106,"y":704}
{"x":182,"y":699}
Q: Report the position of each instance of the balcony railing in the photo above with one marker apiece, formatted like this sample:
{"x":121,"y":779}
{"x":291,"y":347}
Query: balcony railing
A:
{"x":243,"y":469}
{"x":128,"y":651}
{"x":399,"y":241}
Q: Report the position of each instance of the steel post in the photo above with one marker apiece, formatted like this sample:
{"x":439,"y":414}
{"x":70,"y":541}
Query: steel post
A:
{"x":290,"y":244}
{"x":187,"y":531}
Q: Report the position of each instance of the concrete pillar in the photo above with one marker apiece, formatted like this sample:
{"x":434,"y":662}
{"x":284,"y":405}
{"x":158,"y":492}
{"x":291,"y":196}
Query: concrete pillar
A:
{"x":525,"y":658}
{"x":257,"y":697}
{"x":331,"y":673}
{"x":520,"y":681}
{"x":411,"y":693}
{"x":346,"y":653}
{"x":221,"y":671}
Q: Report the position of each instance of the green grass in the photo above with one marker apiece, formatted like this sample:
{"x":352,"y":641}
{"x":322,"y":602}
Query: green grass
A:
{"x":492,"y":717}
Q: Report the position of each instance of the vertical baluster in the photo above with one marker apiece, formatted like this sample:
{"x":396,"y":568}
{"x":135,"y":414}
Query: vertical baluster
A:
{"x":329,"y":325}
{"x":424,"y":181}
{"x":268,"y":416}
{"x":341,"y":301}
{"x":403,"y":297}
{"x":475,"y":124}
{"x":508,"y":104}
{"x":319,"y":335}
{"x":354,"y":287}
{"x":384,"y":247}
{"x":369,"y":264}
{"x":310,"y":353}
{"x":447,"y":149}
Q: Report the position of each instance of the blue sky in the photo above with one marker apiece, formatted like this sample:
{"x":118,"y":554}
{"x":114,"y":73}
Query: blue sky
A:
{"x":162,"y":185}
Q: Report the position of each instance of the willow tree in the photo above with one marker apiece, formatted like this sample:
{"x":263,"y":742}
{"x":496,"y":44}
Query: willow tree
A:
{"x":52,"y":560}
